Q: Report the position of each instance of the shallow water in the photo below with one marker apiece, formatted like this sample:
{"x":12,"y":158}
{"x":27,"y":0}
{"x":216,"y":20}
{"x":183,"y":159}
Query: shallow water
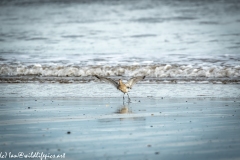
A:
{"x":91,"y":90}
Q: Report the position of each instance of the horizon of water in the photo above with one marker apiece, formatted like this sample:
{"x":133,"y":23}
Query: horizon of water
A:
{"x":158,"y":39}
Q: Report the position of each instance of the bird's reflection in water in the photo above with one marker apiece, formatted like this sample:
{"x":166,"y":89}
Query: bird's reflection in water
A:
{"x":123,"y":112}
{"x":124,"y":109}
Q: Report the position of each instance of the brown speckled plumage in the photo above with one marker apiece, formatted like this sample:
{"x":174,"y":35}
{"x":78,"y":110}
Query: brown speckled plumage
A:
{"x":120,"y":85}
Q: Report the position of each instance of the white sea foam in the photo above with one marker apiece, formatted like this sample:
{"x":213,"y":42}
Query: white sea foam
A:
{"x":154,"y":71}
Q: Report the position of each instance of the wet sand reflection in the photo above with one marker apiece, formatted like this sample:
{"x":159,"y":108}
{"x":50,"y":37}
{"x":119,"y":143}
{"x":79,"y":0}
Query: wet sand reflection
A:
{"x":124,"y":109}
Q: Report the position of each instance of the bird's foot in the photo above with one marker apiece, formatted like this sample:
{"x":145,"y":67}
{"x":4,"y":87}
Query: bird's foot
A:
{"x":129,"y":101}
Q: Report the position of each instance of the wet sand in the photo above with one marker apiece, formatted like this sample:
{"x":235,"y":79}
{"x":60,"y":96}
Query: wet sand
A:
{"x":105,"y":128}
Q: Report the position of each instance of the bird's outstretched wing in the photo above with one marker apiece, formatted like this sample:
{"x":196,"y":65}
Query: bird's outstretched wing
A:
{"x":134,"y":80}
{"x":111,"y":81}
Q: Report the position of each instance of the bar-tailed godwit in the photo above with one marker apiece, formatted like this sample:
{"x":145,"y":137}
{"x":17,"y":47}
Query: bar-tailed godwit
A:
{"x":120,"y":85}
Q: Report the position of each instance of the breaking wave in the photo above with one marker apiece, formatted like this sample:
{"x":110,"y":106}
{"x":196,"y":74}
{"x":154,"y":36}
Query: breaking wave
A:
{"x":154,"y":71}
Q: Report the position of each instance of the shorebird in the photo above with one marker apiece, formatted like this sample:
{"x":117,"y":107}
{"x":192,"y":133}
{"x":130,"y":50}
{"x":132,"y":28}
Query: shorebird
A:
{"x":120,"y":85}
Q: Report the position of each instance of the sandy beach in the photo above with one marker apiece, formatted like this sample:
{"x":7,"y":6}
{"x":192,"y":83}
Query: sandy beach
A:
{"x":52,"y":106}
{"x":106,"y":128}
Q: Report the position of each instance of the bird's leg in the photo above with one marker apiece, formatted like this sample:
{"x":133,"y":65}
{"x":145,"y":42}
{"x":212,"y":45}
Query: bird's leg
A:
{"x":128,"y":98}
{"x":123,"y":96}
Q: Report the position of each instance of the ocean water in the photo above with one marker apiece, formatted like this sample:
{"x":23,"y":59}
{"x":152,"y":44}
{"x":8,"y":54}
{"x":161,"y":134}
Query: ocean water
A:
{"x":176,"y":41}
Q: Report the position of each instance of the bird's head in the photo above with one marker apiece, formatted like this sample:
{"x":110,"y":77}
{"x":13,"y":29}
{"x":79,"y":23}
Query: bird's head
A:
{"x":119,"y":80}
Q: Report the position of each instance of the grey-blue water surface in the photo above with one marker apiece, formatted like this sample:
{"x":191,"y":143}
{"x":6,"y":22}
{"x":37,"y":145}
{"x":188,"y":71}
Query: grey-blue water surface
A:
{"x":120,"y":32}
